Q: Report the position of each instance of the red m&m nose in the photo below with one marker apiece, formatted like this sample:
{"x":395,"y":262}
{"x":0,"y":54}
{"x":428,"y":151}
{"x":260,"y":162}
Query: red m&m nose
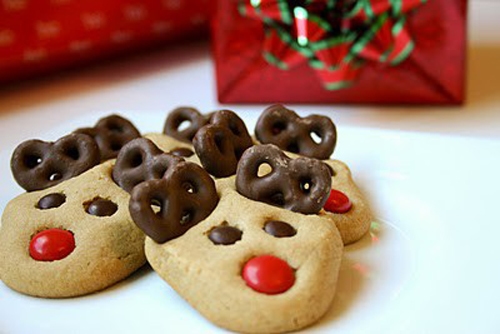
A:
{"x":337,"y":202}
{"x":52,"y":244}
{"x":268,"y":274}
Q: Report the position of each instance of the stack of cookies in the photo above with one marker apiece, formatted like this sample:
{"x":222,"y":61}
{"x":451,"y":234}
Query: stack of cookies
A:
{"x":249,"y":230}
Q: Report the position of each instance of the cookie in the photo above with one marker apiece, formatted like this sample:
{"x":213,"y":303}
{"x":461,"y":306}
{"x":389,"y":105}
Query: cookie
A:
{"x":71,"y":239}
{"x":248,"y":266}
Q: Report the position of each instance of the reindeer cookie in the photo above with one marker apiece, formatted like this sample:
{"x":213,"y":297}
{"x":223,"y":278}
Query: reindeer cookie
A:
{"x":346,"y":207}
{"x":70,"y":239}
{"x":245,"y":265}
{"x":72,"y":234}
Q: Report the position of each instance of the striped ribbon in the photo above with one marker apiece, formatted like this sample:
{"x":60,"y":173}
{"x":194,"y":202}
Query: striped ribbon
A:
{"x":336,"y":37}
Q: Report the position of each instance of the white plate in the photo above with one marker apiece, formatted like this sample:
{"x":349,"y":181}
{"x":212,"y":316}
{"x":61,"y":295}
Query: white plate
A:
{"x":430,"y":263}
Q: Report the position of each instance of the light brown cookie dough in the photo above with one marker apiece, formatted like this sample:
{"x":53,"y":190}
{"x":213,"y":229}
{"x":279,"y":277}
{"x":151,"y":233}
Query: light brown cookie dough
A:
{"x":209,"y":275}
{"x":107,"y":249}
{"x":169,"y":144}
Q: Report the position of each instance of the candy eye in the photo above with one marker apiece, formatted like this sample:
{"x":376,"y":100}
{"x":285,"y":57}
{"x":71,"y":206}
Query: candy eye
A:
{"x":100,"y":207}
{"x":51,"y":201}
{"x":279,"y":229}
{"x":225,"y":235}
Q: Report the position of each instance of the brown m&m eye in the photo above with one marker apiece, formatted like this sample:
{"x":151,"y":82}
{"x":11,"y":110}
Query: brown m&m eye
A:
{"x":279,"y":229}
{"x":100,"y":207}
{"x":50,"y":201}
{"x":225,"y":235}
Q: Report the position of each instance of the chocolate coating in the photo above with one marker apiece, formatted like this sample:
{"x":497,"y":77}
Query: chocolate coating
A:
{"x":37,"y":165}
{"x":141,"y":160}
{"x":290,"y":132}
{"x":101,"y":207}
{"x":182,"y":152}
{"x":111,"y":134}
{"x":51,"y":201}
{"x":225,"y":235}
{"x":186,"y":195}
{"x":300,"y":185}
{"x":180,"y":115}
{"x":279,"y":229}
{"x":220,"y":144}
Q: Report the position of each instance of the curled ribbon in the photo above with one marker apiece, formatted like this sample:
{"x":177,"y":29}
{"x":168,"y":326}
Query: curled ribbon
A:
{"x":336,"y":37}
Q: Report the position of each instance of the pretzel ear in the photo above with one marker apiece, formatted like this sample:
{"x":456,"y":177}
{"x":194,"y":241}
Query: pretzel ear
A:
{"x":141,"y":160}
{"x":185,"y":196}
{"x":37,"y":165}
{"x":313,"y":136}
{"x":180,"y":115}
{"x":111,"y":134}
{"x":300,"y":185}
{"x":220,"y":144}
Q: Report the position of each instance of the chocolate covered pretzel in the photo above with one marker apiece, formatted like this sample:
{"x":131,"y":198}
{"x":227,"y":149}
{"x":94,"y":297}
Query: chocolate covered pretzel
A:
{"x":290,"y":132}
{"x":220,"y":144}
{"x":301,"y":185}
{"x":186,"y":195}
{"x":37,"y":164}
{"x":181,"y":115}
{"x":111,"y":134}
{"x":141,"y":160}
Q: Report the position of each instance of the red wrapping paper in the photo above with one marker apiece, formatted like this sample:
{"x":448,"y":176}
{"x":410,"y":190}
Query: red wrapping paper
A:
{"x":39,"y":36}
{"x":434,"y":72}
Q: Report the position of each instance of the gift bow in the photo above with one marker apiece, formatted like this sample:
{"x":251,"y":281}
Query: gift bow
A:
{"x":336,"y":37}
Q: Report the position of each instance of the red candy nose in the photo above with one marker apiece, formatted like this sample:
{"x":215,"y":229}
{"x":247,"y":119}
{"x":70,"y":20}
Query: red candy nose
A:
{"x":337,"y":202}
{"x":52,"y":244}
{"x":268,"y":274}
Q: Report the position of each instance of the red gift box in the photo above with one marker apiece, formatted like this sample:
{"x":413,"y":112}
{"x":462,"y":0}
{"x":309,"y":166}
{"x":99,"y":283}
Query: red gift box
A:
{"x":44,"y":35}
{"x":342,"y":51}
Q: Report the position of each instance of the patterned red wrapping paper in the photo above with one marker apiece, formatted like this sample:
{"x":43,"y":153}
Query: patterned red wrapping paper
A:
{"x":39,"y":36}
{"x":432,"y":73}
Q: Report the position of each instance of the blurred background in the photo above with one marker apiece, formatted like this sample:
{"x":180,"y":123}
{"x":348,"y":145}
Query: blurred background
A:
{"x":61,"y":58}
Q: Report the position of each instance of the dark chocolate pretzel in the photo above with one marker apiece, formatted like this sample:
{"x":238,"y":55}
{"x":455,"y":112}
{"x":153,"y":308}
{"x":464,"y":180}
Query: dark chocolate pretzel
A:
{"x":180,"y":115}
{"x":186,"y":195}
{"x":37,"y":165}
{"x":300,"y":185}
{"x":220,"y":144}
{"x":290,"y":132}
{"x":111,"y":134}
{"x":141,"y":160}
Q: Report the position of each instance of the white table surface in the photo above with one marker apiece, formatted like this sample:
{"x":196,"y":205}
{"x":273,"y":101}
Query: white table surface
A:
{"x":459,"y":139}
